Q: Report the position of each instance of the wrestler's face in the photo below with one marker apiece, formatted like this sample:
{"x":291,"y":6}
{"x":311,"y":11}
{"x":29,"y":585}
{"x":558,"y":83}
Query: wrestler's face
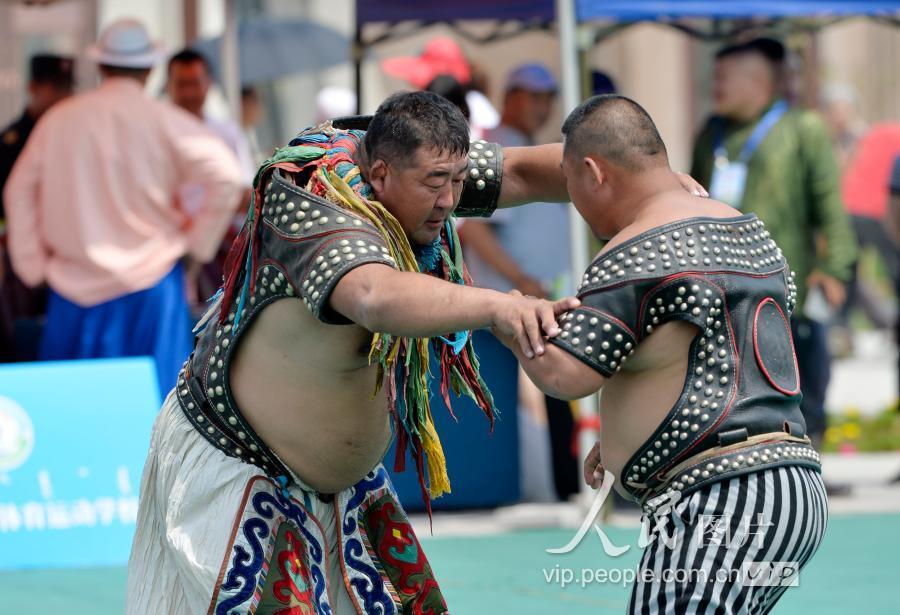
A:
{"x":422,"y":191}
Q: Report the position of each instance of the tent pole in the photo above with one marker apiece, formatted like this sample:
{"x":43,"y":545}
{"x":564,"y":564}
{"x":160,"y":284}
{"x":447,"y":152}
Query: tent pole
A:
{"x":231,"y":70}
{"x":578,"y":231}
{"x":571,"y":98}
{"x":357,"y":66}
{"x":189,"y":17}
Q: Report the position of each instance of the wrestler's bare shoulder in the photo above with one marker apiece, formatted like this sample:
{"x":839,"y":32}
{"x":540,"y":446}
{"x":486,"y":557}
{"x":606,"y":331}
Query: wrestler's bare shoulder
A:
{"x":667,"y":207}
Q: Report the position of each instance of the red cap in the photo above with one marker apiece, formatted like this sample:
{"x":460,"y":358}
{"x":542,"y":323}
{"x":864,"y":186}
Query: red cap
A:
{"x":441,"y":56}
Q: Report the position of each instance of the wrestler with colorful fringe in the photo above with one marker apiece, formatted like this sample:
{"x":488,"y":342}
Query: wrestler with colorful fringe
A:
{"x":326,"y":155}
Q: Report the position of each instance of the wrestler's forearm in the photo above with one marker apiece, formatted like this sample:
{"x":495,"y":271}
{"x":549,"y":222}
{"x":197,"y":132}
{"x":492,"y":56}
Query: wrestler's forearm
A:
{"x":532,"y":174}
{"x":384,"y":300}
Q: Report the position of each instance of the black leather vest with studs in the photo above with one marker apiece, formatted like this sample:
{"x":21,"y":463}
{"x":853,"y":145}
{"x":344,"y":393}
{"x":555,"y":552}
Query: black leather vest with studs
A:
{"x":729,"y":279}
{"x":307,"y":244}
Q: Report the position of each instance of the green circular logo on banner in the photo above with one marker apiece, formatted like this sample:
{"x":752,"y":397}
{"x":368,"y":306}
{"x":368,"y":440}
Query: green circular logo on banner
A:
{"x":16,"y":435}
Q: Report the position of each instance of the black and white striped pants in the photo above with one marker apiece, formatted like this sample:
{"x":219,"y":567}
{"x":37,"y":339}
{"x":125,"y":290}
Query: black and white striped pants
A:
{"x":703,"y":553}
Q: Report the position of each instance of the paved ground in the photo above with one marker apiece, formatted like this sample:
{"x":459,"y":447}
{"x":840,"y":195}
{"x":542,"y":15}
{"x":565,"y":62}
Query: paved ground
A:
{"x":870,"y":475}
{"x":496,"y":561}
{"x":855,"y":571}
{"x":867,"y":380}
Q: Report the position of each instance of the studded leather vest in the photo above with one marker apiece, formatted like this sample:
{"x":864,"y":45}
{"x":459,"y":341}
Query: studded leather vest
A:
{"x":307,"y":245}
{"x":739,"y":409}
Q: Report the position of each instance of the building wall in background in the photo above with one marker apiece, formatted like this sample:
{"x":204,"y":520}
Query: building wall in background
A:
{"x":64,"y":27}
{"x":651,"y":64}
{"x":865,"y":55}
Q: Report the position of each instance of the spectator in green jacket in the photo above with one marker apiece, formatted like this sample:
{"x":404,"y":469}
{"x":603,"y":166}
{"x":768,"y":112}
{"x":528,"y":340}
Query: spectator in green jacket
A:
{"x":760,"y":155}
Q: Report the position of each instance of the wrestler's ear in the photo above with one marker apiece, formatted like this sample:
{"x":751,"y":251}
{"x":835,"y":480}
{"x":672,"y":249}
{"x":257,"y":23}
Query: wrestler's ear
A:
{"x":377,"y":175}
{"x":595,"y":172}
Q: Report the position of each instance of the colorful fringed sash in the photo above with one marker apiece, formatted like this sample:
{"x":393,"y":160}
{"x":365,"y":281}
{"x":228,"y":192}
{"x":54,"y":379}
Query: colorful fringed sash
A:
{"x":403,"y":362}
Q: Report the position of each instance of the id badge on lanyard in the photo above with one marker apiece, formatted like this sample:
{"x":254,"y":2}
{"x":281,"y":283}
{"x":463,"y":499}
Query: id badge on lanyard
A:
{"x":728,"y":181}
{"x":729,"y":178}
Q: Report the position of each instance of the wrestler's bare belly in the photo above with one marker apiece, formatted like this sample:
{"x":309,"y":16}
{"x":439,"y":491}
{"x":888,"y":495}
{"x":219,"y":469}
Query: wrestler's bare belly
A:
{"x":306,"y":388}
{"x":635,"y":402}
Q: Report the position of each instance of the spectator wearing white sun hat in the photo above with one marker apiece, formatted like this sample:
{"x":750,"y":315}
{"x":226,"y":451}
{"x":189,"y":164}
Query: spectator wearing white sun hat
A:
{"x":93,"y":213}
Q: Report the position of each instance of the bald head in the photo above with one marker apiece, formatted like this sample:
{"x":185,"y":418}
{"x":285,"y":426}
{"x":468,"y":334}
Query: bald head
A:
{"x":616,"y":129}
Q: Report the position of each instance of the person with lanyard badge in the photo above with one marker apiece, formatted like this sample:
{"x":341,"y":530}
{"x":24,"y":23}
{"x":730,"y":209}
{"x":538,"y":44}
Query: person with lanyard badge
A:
{"x":730,"y":177}
{"x":762,"y":156}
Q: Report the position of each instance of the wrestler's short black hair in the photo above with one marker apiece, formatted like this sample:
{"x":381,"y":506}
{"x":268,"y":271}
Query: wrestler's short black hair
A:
{"x":617,"y":129}
{"x":407,"y":121}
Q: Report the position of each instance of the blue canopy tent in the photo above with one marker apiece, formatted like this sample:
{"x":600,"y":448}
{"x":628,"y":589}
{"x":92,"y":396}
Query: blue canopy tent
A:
{"x":725,"y":20}
{"x":530,"y":12}
{"x":395,"y":11}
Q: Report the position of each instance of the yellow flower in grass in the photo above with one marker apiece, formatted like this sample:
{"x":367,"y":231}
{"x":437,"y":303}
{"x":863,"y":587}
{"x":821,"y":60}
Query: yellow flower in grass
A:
{"x":851,"y":431}
{"x":833,"y":435}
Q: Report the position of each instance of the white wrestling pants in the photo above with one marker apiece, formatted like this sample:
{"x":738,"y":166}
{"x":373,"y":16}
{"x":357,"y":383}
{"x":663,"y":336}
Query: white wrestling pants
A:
{"x":191,"y":500}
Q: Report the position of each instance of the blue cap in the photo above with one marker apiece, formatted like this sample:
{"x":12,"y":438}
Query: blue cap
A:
{"x":531,"y":78}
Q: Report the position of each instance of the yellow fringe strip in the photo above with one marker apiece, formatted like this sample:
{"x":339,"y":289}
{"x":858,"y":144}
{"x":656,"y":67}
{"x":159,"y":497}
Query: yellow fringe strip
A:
{"x":438,"y":480}
{"x":340,"y":193}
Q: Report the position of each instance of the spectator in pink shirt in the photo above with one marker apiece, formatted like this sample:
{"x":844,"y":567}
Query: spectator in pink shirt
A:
{"x":92,"y":212}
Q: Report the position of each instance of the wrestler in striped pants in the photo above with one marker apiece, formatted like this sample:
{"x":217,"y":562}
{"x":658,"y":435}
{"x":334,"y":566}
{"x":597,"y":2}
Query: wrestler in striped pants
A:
{"x":699,"y":557}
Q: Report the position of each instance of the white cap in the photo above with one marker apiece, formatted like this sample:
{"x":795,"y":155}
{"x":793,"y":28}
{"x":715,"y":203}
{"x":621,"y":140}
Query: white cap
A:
{"x":333,"y":101}
{"x":482,"y":113}
{"x":125,"y":44}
